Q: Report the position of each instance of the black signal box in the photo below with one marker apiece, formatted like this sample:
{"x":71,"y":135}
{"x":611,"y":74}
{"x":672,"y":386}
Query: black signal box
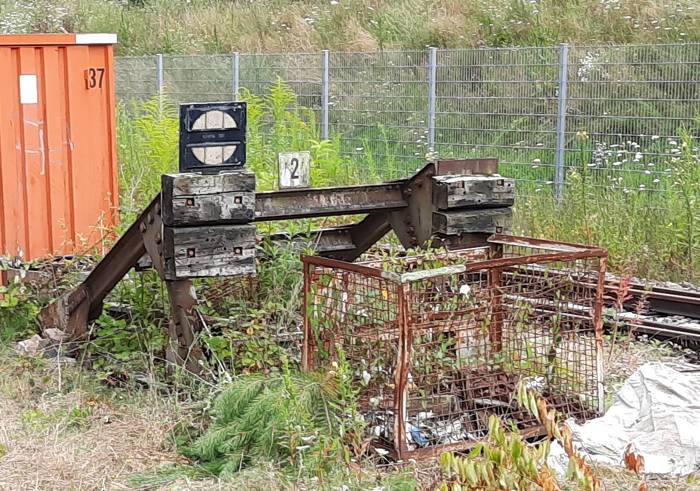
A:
{"x":212,"y":137}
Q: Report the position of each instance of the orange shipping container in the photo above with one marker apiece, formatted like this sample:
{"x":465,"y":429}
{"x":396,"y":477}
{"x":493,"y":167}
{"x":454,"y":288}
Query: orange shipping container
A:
{"x":58,"y":164}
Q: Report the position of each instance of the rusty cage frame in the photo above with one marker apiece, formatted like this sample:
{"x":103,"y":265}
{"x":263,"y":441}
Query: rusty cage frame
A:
{"x":443,"y":340}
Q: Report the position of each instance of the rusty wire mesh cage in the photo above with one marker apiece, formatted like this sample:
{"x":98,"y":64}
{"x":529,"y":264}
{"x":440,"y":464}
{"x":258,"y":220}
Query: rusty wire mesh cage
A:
{"x":439,"y":343}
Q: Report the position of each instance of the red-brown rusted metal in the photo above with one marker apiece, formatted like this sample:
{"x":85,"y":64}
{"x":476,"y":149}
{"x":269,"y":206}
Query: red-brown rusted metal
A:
{"x":598,"y":326}
{"x":439,"y":343}
{"x":182,"y":349}
{"x":309,"y":347}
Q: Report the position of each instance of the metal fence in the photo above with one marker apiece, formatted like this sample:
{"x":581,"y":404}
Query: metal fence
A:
{"x":612,"y":112}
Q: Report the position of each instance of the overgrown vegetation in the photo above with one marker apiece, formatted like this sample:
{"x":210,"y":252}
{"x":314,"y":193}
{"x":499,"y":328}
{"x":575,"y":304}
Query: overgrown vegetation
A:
{"x":652,"y":233}
{"x":17,"y":311}
{"x":650,"y":226}
{"x":296,"y":420}
{"x":147,"y":135}
{"x":215,"y":26}
{"x":269,"y":425}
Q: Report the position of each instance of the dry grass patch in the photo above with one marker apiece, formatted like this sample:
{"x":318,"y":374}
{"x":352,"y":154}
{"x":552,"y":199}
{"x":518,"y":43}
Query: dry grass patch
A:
{"x":78,"y":437}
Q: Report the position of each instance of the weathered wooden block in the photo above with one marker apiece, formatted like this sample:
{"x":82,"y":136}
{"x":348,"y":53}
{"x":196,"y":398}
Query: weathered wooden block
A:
{"x":196,"y":199}
{"x":472,"y":191}
{"x":196,"y":252}
{"x":489,"y":220}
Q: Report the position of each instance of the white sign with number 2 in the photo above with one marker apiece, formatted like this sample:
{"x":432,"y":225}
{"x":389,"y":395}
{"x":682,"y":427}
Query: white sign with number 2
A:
{"x":295,"y":169}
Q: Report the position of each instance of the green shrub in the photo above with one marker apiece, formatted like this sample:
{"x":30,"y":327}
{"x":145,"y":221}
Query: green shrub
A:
{"x":18,"y":311}
{"x":301,"y":420}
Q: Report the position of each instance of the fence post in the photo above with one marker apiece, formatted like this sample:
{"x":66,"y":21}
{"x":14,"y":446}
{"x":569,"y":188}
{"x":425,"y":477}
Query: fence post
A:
{"x":159,"y":81}
{"x":432,"y":97}
{"x":324,"y":95}
{"x":561,"y":122}
{"x":235,"y":74}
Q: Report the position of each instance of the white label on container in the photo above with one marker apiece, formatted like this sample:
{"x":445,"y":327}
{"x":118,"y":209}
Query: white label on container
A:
{"x":294,"y":169}
{"x":95,"y":38}
{"x":28,"y":93}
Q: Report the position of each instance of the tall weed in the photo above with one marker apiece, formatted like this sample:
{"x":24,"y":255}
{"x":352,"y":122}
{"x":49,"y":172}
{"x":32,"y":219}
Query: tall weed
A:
{"x":653,"y":233}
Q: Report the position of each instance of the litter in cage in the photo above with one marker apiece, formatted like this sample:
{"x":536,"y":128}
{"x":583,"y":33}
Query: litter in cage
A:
{"x":438,"y":343}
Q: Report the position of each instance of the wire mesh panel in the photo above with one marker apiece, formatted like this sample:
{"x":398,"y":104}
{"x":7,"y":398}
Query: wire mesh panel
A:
{"x":300,"y":71}
{"x":619,"y":119}
{"x":198,"y":78}
{"x":628,"y":104}
{"x":500,"y":103}
{"x":378,"y":107}
{"x":136,"y":77}
{"x":461,"y":336}
{"x":355,"y":310}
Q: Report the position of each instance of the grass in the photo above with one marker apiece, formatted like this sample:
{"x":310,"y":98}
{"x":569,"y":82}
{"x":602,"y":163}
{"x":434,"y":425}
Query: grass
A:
{"x":216,"y":26}
{"x":649,"y":232}
{"x":61,"y":429}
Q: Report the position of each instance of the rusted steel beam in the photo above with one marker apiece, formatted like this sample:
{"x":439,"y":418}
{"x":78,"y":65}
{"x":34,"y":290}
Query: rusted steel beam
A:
{"x":183,"y":350}
{"x":413,"y":225}
{"x":495,"y":281}
{"x":327,"y":241}
{"x":74,"y":310}
{"x":364,"y":235}
{"x":319,"y":202}
{"x":309,"y":347}
{"x":406,"y":206}
{"x":551,"y":245}
{"x":403,"y":366}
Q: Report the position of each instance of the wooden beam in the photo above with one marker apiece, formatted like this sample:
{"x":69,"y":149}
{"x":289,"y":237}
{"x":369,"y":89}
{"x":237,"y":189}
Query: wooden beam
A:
{"x":493,"y":220}
{"x":472,"y":192}
{"x":197,"y":199}
{"x":198,"y":252}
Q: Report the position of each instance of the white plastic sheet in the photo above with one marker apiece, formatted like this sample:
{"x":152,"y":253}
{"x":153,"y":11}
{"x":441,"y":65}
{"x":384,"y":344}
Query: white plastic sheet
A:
{"x":657,"y":411}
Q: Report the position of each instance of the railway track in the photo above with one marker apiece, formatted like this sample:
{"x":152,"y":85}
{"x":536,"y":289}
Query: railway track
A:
{"x":660,"y":299}
{"x":676,"y":328}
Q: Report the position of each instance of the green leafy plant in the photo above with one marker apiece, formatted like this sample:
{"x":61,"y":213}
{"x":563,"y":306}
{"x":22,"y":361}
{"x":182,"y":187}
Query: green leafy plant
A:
{"x":122,"y":345}
{"x":506,"y":461}
{"x":289,"y":418}
{"x":18,"y":310}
